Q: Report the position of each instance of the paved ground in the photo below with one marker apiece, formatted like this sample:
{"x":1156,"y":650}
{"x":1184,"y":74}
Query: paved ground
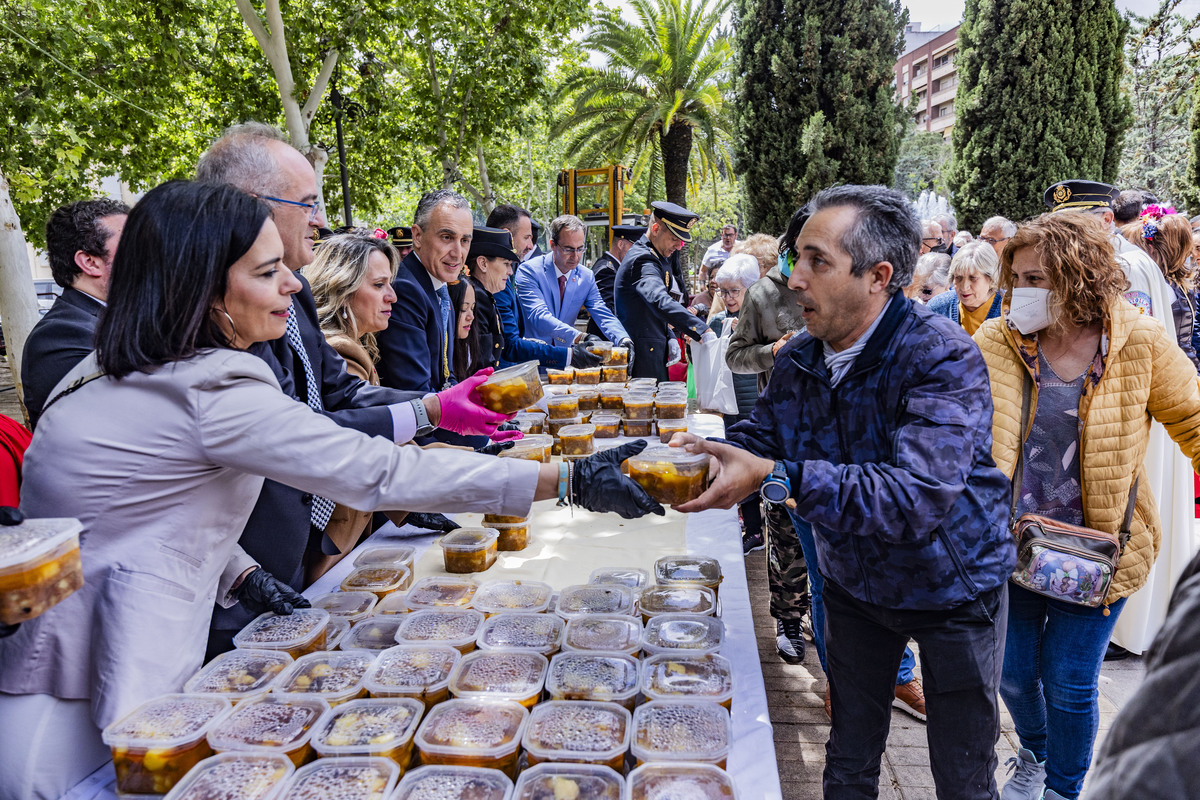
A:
{"x":9,"y":406}
{"x":796,"y":699}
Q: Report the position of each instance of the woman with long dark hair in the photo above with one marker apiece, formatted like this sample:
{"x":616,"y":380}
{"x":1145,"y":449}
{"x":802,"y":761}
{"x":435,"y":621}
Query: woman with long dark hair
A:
{"x":468,"y":358}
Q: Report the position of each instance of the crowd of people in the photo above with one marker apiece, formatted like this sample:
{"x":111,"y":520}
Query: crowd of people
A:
{"x":219,"y":393}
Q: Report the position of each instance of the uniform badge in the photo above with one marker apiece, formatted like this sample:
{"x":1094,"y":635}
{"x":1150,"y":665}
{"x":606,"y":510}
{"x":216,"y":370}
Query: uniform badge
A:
{"x":1061,"y":194}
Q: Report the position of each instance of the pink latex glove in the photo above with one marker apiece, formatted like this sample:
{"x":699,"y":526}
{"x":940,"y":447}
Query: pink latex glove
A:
{"x":507,"y":436}
{"x":462,"y":412}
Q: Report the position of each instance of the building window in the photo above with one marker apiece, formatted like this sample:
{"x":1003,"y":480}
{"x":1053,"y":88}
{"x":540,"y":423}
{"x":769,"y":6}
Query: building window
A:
{"x":946,"y":110}
{"x":943,"y":59}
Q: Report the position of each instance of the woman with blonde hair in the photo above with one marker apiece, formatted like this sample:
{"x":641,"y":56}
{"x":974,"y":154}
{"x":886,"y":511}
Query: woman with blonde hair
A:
{"x":1167,"y":238}
{"x":974,"y":299}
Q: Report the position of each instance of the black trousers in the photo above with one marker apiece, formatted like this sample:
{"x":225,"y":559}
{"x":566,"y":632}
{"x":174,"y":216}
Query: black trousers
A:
{"x":962,"y":652}
{"x":649,"y":359}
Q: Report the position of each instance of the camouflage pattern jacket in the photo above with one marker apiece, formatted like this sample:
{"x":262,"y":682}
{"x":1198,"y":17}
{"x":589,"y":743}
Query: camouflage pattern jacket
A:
{"x":893,"y":467}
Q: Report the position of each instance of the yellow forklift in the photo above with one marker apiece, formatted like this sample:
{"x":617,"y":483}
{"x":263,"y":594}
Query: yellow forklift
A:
{"x":597,"y":196}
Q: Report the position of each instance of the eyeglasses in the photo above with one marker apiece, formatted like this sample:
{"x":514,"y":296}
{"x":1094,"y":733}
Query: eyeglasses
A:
{"x":937,"y":240}
{"x":314,"y":208}
{"x":571,"y":250}
{"x":730,"y":292}
{"x":992,"y":241}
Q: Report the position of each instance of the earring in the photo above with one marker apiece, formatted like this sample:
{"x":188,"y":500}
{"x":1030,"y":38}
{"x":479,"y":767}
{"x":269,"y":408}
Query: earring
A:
{"x":231,"y":325}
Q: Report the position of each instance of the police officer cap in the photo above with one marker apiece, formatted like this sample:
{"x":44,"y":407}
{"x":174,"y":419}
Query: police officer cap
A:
{"x":400,"y":236}
{"x":1078,"y":194}
{"x":536,"y":228}
{"x":677,"y":219}
{"x":491,"y":242}
{"x":321,"y":235}
{"x":630,"y":232}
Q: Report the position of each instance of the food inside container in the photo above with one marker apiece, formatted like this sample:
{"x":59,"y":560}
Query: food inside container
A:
{"x":239,"y":674}
{"x":529,"y":448}
{"x":588,"y":598}
{"x":563,"y":406}
{"x":681,"y":730}
{"x":638,"y":427}
{"x":639,"y":406}
{"x":633,"y":577}
{"x":530,"y":421}
{"x":511,"y":537}
{"x":616,"y":633}
{"x":690,"y":634}
{"x":555,"y":426}
{"x":419,"y":671}
{"x":516,"y":675}
{"x":235,"y":776}
{"x":345,"y":778}
{"x":607,"y":425}
{"x":280,"y":723}
{"x":579,"y":731}
{"x":453,"y":627}
{"x":600,"y":348}
{"x":679,"y":599}
{"x":335,"y":677}
{"x":473,"y":733}
{"x":394,"y":603}
{"x":577,"y":439}
{"x":594,"y":675}
{"x":374,"y":633}
{"x":446,"y":782}
{"x":612,"y":397}
{"x":511,"y":389}
{"x":469,"y":549}
{"x":679,"y":676}
{"x":490,"y":519}
{"x":351,"y":605}
{"x":378,"y":726}
{"x":680,"y":780}
{"x":667,"y":428}
{"x":688,"y":569}
{"x":336,"y":631}
{"x":391,"y":555}
{"x":161,"y":740}
{"x":495,"y":597}
{"x":539,"y":633}
{"x":615,"y":374}
{"x":589,"y":376}
{"x":560,"y":377}
{"x":589,"y":398}
{"x":671,"y":406}
{"x":39,"y":567}
{"x":670,"y":475}
{"x":618,"y":357}
{"x":301,"y":632}
{"x":555,"y":781}
{"x":441,"y":592}
{"x":379,"y":580}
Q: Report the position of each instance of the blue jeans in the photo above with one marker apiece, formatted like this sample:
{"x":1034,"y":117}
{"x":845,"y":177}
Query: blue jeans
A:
{"x":1051,"y":679}
{"x":809,"y":547}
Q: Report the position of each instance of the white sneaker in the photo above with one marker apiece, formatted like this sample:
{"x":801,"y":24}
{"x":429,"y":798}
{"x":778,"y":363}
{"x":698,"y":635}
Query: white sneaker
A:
{"x":1028,"y":777}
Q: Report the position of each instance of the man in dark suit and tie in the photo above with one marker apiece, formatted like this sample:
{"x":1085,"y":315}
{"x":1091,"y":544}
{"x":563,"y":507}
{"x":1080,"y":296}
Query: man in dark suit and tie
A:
{"x":605,"y":267}
{"x":81,"y":240}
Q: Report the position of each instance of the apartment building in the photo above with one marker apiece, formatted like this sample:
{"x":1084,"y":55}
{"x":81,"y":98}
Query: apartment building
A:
{"x":925,"y":71}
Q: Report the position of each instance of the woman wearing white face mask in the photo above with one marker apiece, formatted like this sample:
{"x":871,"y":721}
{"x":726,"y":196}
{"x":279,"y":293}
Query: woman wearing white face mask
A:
{"x":1097,"y":371}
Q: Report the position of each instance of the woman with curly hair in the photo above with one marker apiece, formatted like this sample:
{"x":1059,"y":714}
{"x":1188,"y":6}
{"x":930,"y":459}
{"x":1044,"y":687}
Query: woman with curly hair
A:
{"x":1096,"y":371}
{"x":1167,"y":238}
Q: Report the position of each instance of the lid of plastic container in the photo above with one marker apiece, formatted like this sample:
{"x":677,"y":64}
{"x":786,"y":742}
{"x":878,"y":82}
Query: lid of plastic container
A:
{"x":497,"y":596}
{"x":239,"y":673}
{"x":515,"y":630}
{"x":394,"y":603}
{"x":586,"y":429}
{"x":549,"y":781}
{"x":639,"y":397}
{"x":704,"y":570}
{"x":401,"y":554}
{"x":566,"y":730}
{"x":594,"y":598}
{"x":668,"y":781}
{"x":593,"y":675}
{"x":693,"y":633}
{"x":678,"y":598}
{"x":588,"y":370}
{"x":272,"y":632}
{"x":618,"y":633}
{"x":373,"y":633}
{"x":527,"y":371}
{"x":272,"y":721}
{"x":447,"y":782}
{"x":367,"y":726}
{"x":633,"y":577}
{"x":679,"y":675}
{"x":352,"y":605}
{"x":34,"y":538}
{"x":376,"y":578}
{"x":605,"y":418}
{"x":524,"y":446}
{"x":681,"y":730}
{"x":453,"y":627}
{"x":235,"y":776}
{"x":411,"y":668}
{"x":543,"y":439}
{"x":675,"y":456}
{"x":346,"y":778}
{"x":672,"y":424}
{"x":504,"y":674}
{"x":475,"y":728}
{"x":336,"y":676}
{"x":167,"y":721}
{"x":469,"y":540}
{"x":335,"y":631}
{"x":438,"y":591}
{"x":530,"y":415}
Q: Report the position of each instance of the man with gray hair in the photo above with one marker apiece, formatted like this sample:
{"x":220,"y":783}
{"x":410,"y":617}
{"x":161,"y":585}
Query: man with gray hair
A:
{"x":949,"y":227}
{"x":996,"y":231}
{"x":932,"y":240}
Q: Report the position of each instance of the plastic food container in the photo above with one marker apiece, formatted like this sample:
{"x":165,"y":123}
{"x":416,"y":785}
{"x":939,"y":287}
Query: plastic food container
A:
{"x":490,"y":519}
{"x":681,"y":599}
{"x":394,"y":603}
{"x":244,"y":776}
{"x":612,"y":397}
{"x":633,"y":577}
{"x":239,"y":674}
{"x":589,"y":397}
{"x":616,"y":374}
{"x":670,"y":407}
{"x":378,"y":579}
{"x":639,"y":406}
{"x":511,"y":389}
{"x":614,"y":633}
{"x":551,"y":781}
{"x":681,"y":634}
{"x":351,"y":778}
{"x":373,"y":633}
{"x":577,"y":439}
{"x":335,"y":677}
{"x":473,"y":733}
{"x":555,"y":426}
{"x":545,"y":440}
{"x":441,"y":592}
{"x":511,"y":537}
{"x":382,"y":727}
{"x":39,"y":567}
{"x":669,"y":427}
{"x":158,"y":742}
{"x":560,"y":377}
{"x":643,"y":383}
{"x":594,"y":675}
{"x":455,"y":628}
{"x":497,"y":597}
{"x":579,"y":731}
{"x":670,"y":475}
{"x":680,"y":779}
{"x":530,"y":448}
{"x":681,"y":730}
{"x":563,"y":406}
{"x":588,"y":376}
{"x":530,"y":421}
{"x":688,"y":570}
{"x":594,"y":598}
{"x":442,"y":782}
{"x":280,"y":723}
{"x":351,"y":605}
{"x":399,"y":555}
{"x":301,"y":632}
{"x":606,"y":425}
{"x":675,"y":676}
{"x":601,"y":348}
{"x":667,"y":387}
{"x":421,"y":672}
{"x":538,"y":633}
{"x":469,"y":549}
{"x":516,"y":675}
{"x":336,"y":631}
{"x":638,"y":427}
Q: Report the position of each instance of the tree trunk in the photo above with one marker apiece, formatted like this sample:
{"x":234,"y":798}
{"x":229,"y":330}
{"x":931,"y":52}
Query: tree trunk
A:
{"x":676,"y":150}
{"x":18,"y":300}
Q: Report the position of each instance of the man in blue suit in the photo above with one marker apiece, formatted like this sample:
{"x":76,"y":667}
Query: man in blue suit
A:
{"x":554,"y":287}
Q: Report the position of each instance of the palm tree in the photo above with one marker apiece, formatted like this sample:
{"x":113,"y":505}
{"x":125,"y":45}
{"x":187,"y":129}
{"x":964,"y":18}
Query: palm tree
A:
{"x":660,"y":93}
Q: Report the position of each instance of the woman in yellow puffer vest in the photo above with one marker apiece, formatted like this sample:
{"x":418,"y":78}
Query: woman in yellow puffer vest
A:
{"x":1100,"y":370}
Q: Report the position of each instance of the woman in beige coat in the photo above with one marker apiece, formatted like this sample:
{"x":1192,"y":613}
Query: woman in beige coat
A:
{"x":1098,"y":371}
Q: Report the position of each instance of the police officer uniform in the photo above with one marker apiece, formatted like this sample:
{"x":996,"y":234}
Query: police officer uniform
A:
{"x":401,"y":239}
{"x":643,"y":303}
{"x":605,"y":271}
{"x":492,"y":243}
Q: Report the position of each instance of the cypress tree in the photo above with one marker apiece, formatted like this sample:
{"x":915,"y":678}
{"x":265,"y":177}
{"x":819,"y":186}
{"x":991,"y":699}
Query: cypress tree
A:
{"x":1191,"y":190}
{"x":1039,"y":100}
{"x":816,"y":100}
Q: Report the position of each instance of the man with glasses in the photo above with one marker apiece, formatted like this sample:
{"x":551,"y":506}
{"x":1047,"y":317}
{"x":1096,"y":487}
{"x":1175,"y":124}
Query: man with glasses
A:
{"x":554,"y":287}
{"x":996,"y":231}
{"x":932,"y":240}
{"x":721,"y":249}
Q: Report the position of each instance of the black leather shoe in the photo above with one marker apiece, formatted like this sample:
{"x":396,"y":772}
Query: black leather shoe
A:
{"x":1115,"y":652}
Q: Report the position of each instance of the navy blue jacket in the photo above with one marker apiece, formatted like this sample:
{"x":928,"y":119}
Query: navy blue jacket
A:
{"x":412,"y":348}
{"x":893,"y":467}
{"x":58,"y":342}
{"x":946,"y":304}
{"x":517,"y":349}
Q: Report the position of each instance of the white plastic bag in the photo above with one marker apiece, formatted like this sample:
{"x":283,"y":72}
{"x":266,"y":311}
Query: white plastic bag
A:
{"x":714,"y":380}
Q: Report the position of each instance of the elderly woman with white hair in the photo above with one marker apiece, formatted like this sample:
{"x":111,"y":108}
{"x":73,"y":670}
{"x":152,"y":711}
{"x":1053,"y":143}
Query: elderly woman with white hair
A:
{"x":974,"y":272}
{"x":931,"y":277}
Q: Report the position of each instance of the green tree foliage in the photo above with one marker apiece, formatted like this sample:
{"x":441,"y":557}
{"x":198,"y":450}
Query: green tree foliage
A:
{"x":922,"y":164}
{"x":815,"y":99}
{"x":1190,"y":192}
{"x":1039,"y":100}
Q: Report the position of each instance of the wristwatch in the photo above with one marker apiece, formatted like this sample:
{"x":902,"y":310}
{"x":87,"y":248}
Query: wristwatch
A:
{"x":776,"y":487}
{"x":424,"y":426}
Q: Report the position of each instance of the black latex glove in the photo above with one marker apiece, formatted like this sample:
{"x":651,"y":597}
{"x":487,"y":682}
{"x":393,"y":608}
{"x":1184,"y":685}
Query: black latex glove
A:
{"x":433,"y":522}
{"x":508,"y":426}
{"x":261,"y":591}
{"x":10,"y":516}
{"x":599,"y":485}
{"x":582,"y":358}
{"x":494,"y":449}
{"x":627,"y":343}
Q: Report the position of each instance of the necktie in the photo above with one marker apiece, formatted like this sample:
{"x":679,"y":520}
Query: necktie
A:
{"x":562,"y":287}
{"x":322,"y":508}
{"x":447,"y":321}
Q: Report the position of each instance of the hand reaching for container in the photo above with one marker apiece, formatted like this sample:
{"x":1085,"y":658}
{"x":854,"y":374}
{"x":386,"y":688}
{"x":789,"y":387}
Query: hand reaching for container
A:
{"x":461,"y":411}
{"x":599,"y":485}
